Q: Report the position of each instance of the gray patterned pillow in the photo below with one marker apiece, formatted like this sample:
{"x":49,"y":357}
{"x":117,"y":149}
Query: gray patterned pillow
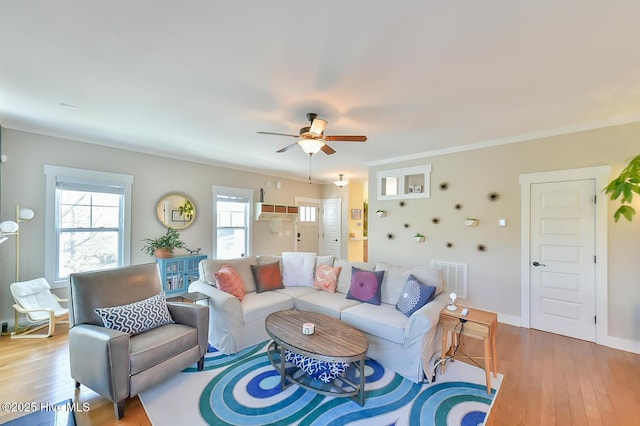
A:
{"x":415,"y":294}
{"x":138,"y":317}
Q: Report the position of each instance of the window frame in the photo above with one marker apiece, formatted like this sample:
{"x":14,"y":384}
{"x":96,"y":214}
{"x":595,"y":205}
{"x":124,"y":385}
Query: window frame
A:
{"x":232,"y":192}
{"x":81,"y":177}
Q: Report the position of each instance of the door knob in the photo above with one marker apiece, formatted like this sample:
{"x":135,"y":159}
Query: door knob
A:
{"x":538,"y":264}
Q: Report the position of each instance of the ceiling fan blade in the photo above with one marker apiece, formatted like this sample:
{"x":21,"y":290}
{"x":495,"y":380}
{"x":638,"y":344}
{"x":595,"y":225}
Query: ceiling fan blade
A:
{"x":278,"y":134}
{"x":288,"y":147}
{"x":345,"y":138}
{"x":327,"y":149}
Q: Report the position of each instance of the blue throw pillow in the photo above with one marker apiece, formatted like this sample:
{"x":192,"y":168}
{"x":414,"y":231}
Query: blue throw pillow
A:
{"x":138,"y":317}
{"x":366,"y":286}
{"x":415,"y":294}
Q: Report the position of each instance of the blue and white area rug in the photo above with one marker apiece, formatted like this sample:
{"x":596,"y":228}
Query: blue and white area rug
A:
{"x":244,"y":389}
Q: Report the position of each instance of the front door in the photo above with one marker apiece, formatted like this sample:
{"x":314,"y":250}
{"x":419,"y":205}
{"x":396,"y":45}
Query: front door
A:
{"x":562,"y":263}
{"x":307,"y":228}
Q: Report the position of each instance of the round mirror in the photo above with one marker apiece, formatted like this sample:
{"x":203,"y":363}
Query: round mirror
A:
{"x":176,"y":211}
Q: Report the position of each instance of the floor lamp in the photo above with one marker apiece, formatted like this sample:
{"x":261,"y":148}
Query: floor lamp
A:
{"x":9,"y":227}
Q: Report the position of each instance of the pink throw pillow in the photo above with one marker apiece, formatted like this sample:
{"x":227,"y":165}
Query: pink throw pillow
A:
{"x":230,"y":281}
{"x":327,"y":277}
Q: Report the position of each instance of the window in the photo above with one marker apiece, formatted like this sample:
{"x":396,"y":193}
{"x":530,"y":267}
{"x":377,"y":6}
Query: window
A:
{"x":232,"y":213}
{"x":307,"y":213}
{"x":87,"y":221}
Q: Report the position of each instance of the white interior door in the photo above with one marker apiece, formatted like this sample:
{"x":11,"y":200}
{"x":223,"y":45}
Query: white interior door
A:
{"x":562,"y":263}
{"x":331,"y":226}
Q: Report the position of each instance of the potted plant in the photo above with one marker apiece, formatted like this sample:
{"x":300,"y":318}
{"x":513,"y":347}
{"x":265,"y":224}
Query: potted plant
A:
{"x":163,"y":245}
{"x":186,"y":210}
{"x":381,"y":213}
{"x":419,"y":237}
{"x":623,"y":187}
{"x":471,"y":221}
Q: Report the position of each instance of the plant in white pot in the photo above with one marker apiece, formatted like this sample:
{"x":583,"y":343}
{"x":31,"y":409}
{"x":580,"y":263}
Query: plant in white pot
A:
{"x":164,"y":245}
{"x":624,"y":186}
{"x":381,"y":213}
{"x":419,"y":237}
{"x":471,"y":221}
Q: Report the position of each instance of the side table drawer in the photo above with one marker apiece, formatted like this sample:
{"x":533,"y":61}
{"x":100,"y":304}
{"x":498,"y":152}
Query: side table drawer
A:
{"x":470,"y":328}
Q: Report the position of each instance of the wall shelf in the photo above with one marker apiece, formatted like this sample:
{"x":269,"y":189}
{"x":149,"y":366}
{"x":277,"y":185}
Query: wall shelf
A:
{"x":404,"y":183}
{"x":266,"y":211}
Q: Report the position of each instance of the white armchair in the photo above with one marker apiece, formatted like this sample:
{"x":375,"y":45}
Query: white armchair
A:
{"x":34,"y":299}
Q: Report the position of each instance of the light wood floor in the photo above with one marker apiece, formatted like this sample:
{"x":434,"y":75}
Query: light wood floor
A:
{"x":549,"y":380}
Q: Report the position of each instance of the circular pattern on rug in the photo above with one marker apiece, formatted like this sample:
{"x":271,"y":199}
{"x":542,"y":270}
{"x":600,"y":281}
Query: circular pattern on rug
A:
{"x":250,"y":393}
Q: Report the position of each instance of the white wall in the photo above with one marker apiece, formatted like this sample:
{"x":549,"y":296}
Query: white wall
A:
{"x":23,"y":183}
{"x":494,"y":275}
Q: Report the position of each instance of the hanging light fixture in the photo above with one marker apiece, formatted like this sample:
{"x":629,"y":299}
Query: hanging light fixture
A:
{"x":341,"y":183}
{"x":311,"y":146}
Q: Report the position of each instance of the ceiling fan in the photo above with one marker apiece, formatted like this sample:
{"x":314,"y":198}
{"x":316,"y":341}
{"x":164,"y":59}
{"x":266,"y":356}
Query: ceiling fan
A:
{"x":312,"y":138}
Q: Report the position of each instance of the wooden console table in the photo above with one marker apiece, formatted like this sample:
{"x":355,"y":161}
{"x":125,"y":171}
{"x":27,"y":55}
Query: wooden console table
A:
{"x":477,"y":324}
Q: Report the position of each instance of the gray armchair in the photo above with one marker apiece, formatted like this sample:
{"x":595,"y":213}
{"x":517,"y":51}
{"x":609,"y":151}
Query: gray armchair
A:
{"x":115,"y":364}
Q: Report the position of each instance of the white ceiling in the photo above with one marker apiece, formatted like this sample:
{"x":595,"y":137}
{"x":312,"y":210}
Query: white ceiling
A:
{"x":197,"y":79}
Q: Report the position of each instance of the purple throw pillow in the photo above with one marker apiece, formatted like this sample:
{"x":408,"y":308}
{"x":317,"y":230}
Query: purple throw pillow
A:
{"x":365,"y":286}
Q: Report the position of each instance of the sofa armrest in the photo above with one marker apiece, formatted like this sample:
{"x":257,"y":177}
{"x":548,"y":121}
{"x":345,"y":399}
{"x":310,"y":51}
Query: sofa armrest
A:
{"x":225,"y":316}
{"x":424,"y":319}
{"x":194,"y":315}
{"x":99,"y":359}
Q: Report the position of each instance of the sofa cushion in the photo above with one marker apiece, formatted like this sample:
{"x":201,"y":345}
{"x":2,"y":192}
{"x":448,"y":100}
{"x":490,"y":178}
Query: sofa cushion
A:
{"x":325,"y":260}
{"x":344,"y":279}
{"x":160,"y":344}
{"x":330,"y":304}
{"x":326,"y":278}
{"x":209,"y":267}
{"x":230,"y":281}
{"x":296,"y":292}
{"x":298,"y":269}
{"x":137,"y":317}
{"x":365,"y":286}
{"x":395,"y":276}
{"x":267,"y":277}
{"x":256,"y":306}
{"x":415,"y":294}
{"x":384,"y":321}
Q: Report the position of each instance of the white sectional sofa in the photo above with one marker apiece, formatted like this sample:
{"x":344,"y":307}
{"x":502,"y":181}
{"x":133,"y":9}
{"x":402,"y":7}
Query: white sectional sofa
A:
{"x":403,"y":344}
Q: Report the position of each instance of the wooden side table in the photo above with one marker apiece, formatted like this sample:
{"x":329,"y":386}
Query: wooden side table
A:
{"x":477,"y":324}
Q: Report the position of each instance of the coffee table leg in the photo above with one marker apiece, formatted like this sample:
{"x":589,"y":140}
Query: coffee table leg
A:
{"x":362,"y":382}
{"x":283,"y":372}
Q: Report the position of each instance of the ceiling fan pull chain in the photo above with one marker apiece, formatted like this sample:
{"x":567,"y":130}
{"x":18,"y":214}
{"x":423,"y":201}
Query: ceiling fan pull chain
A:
{"x":310,"y":168}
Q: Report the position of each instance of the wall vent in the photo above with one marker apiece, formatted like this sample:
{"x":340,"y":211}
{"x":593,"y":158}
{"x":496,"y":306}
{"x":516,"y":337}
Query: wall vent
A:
{"x":454,"y":275}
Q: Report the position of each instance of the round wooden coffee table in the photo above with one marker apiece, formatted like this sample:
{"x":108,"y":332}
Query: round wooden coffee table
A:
{"x":332,"y":341}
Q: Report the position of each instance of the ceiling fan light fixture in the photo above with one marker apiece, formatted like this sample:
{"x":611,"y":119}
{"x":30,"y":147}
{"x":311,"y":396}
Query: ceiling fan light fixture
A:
{"x":317,"y":127}
{"x":311,"y":146}
{"x":341,"y":183}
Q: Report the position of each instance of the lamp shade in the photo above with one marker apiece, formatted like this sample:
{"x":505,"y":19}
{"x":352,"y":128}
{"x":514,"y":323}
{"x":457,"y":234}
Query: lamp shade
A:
{"x":9,"y":227}
{"x":311,"y":146}
{"x":341,"y":182}
{"x":25,"y":214}
{"x":317,"y":126}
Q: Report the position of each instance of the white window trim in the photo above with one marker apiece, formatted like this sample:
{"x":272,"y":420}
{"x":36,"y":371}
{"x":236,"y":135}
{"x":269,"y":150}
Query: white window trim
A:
{"x":236,"y":192}
{"x":51,"y":173}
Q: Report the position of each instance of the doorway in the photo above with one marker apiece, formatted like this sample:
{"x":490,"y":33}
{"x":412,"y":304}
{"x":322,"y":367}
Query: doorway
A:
{"x":564,"y":252}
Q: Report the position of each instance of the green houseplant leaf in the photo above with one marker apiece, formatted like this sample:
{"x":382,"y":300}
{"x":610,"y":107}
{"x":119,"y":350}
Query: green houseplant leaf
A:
{"x":623,"y":187}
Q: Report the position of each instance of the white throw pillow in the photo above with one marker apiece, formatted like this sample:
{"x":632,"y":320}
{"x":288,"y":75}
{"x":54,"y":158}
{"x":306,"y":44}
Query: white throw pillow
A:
{"x":298,"y":269}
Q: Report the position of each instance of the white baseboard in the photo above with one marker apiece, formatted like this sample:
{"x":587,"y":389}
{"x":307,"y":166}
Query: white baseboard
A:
{"x":510,"y":319}
{"x":609,"y":341}
{"x":622,"y":344}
